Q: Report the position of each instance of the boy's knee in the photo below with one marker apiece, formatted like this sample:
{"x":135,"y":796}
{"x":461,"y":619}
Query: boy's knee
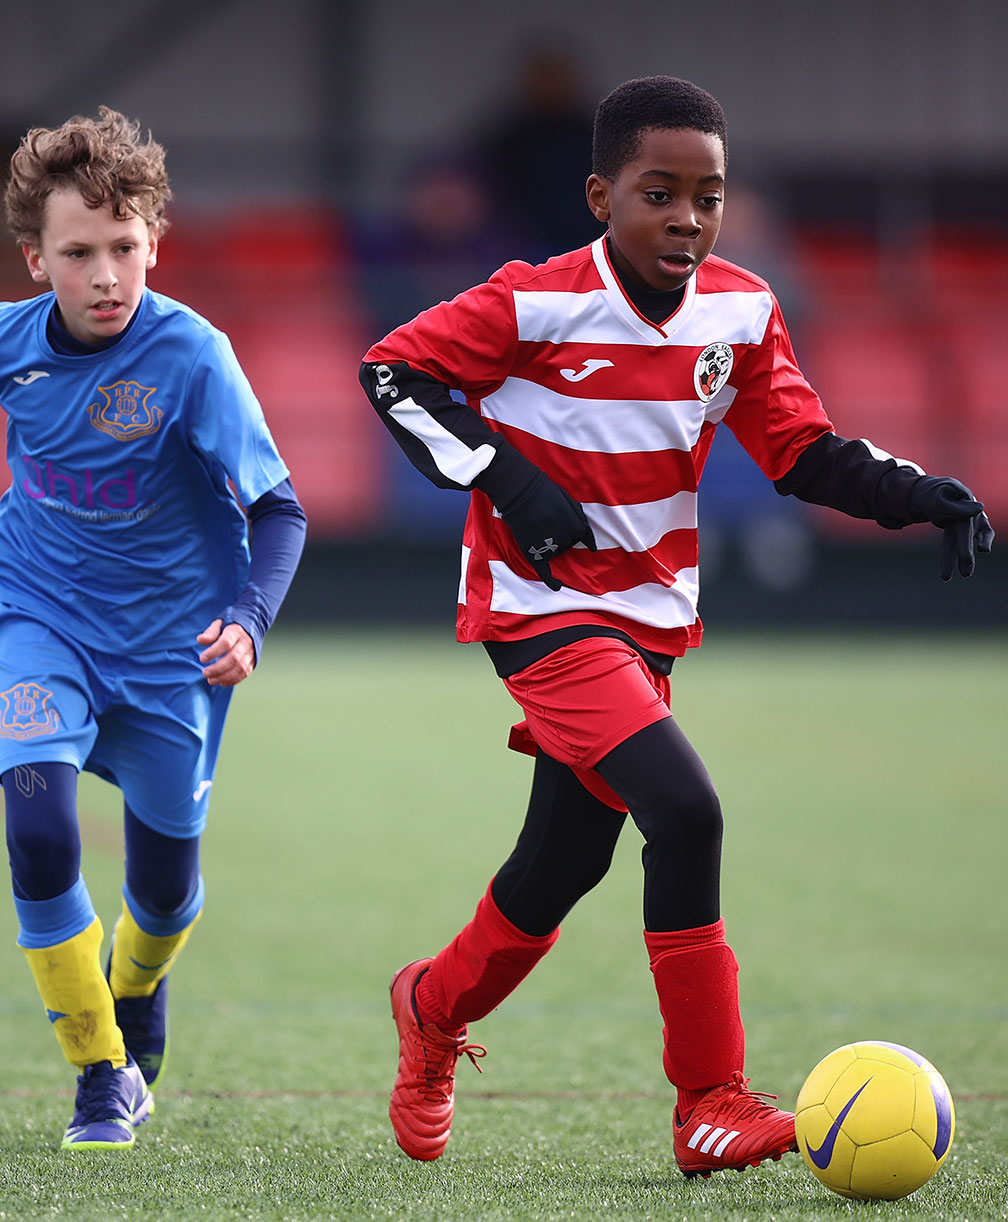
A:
{"x":684,"y":811}
{"x":164,"y":899}
{"x":591,"y":869}
{"x":162,"y":873}
{"x":44,"y":863}
{"x":699,"y":809}
{"x":43,"y":839}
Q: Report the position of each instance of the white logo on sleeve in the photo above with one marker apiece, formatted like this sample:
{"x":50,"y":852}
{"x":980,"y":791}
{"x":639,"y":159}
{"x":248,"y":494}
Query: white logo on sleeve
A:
{"x":587,"y":369}
{"x":383,"y":382}
{"x":200,"y":790}
{"x":33,"y":375}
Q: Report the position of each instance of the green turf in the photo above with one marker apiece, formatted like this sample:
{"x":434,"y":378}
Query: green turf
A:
{"x":863,"y":782}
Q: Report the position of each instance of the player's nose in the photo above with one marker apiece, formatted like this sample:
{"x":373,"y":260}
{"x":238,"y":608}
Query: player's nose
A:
{"x":684,"y":223}
{"x":104,"y":274}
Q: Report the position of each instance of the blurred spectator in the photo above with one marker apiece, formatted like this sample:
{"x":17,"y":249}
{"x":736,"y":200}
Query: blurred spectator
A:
{"x":536,"y":155}
{"x":754,"y":234}
{"x":442,"y":239}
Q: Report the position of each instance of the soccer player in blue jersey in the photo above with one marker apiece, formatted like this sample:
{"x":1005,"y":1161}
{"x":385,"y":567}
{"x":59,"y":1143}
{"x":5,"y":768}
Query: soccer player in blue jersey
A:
{"x":134,"y":592}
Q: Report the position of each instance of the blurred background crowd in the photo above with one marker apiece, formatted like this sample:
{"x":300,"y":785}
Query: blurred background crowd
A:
{"x":339,"y":166}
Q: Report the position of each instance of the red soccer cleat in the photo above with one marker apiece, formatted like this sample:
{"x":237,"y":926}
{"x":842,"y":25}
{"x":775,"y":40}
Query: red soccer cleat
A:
{"x":422,"y":1098}
{"x":731,"y":1129}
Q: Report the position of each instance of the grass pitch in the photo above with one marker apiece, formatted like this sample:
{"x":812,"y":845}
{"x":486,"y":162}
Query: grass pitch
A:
{"x":364,"y":798}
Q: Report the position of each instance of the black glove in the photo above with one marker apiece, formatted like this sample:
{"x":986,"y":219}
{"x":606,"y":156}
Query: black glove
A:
{"x":950,"y":505}
{"x":546,"y":521}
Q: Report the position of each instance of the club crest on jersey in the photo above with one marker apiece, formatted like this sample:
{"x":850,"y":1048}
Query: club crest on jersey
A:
{"x":25,"y":711}
{"x":126,"y":412}
{"x":711,"y":370}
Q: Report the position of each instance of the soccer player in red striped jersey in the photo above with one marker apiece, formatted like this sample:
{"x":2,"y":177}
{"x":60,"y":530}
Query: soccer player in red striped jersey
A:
{"x":592,"y":387}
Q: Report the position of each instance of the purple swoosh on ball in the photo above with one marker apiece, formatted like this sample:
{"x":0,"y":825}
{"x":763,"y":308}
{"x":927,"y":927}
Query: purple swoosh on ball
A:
{"x":822,"y":1156}
{"x":909,"y":1053}
{"x":943,"y":1107}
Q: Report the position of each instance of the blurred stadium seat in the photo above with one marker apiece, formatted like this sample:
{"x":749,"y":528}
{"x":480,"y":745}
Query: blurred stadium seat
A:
{"x":278,"y":281}
{"x":907,"y":348}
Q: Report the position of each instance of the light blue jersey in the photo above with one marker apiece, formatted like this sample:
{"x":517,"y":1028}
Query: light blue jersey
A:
{"x":119,"y":528}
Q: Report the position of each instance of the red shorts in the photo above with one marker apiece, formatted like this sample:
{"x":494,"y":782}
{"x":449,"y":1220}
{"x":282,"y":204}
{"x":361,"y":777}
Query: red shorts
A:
{"x":583,"y":700}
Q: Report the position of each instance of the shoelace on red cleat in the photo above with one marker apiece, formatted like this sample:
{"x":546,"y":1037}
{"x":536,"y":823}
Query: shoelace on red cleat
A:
{"x":737,"y":1103}
{"x":749,"y":1102}
{"x":439,"y":1066}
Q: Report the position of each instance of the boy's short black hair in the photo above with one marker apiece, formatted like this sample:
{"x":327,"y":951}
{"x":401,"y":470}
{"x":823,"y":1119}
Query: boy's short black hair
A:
{"x":644,"y":104}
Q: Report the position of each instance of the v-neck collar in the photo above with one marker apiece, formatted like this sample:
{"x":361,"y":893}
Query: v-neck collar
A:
{"x":654,"y":333}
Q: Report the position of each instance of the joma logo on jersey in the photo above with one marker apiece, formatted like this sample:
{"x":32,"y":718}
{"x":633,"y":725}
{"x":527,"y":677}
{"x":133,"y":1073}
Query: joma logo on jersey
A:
{"x":126,"y":413}
{"x":711,"y":370}
{"x":25,"y":711}
{"x":82,"y":490}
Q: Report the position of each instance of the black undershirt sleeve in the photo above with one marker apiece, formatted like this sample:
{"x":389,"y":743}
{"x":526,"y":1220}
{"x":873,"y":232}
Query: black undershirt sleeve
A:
{"x":851,"y":477}
{"x":420,"y":413}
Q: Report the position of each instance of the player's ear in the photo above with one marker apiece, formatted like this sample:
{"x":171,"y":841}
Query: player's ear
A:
{"x":36,"y":264}
{"x":597,"y":193}
{"x":152,"y":248}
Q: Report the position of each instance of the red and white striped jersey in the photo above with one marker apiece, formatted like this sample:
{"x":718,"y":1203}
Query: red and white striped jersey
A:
{"x":617,"y":410}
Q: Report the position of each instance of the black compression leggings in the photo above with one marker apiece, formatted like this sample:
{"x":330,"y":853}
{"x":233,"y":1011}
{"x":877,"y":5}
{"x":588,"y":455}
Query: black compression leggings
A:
{"x":566,"y":845}
{"x":44,"y":845}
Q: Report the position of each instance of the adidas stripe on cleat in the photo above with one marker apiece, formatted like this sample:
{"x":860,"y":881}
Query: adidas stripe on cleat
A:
{"x":731,"y":1128}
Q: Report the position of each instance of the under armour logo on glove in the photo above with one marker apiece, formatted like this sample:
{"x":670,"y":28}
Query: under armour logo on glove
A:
{"x":547,"y":549}
{"x":541,"y":506}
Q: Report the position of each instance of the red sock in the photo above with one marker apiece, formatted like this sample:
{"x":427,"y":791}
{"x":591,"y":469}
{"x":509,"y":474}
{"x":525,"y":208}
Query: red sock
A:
{"x":696,"y":978}
{"x":473,"y":975}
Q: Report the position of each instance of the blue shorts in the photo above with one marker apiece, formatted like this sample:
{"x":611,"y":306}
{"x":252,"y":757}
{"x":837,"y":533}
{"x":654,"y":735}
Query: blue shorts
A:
{"x":148,"y":723}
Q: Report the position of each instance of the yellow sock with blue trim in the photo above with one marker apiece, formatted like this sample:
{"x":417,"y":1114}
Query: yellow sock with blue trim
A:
{"x":141,"y":959}
{"x":77,"y":999}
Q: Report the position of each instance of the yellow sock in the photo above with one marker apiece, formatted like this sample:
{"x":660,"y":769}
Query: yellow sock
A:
{"x":77,"y":999}
{"x":139,"y":959}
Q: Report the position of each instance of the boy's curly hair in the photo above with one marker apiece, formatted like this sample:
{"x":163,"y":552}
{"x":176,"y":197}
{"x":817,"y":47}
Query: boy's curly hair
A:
{"x":106,"y":159}
{"x":645,"y":104}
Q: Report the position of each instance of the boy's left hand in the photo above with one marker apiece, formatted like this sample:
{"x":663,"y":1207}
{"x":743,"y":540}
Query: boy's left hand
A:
{"x":230,"y":656}
{"x":950,"y":505}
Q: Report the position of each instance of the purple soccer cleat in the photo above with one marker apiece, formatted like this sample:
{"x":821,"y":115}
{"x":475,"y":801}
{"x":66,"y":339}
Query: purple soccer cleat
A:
{"x":110,"y":1103}
{"x":143,"y":1022}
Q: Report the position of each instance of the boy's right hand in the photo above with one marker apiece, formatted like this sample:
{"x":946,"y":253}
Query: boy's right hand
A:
{"x":546,"y":520}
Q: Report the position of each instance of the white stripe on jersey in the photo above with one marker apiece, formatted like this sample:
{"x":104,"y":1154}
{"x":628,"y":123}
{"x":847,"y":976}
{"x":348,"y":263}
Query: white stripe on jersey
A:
{"x":641,"y":526}
{"x":556,"y":317}
{"x":614,"y":426}
{"x":453,"y":458}
{"x":732,"y":318}
{"x":884,"y":456}
{"x":653,"y":604}
{"x":462,"y":577}
{"x":589,"y":318}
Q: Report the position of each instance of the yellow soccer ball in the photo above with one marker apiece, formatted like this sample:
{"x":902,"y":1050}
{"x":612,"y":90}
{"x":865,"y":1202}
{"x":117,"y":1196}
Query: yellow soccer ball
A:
{"x":874,"y":1121}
